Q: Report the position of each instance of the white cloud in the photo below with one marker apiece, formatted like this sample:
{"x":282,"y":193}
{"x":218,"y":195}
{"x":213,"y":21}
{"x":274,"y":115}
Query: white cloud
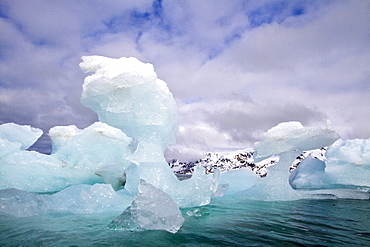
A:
{"x":241,"y":67}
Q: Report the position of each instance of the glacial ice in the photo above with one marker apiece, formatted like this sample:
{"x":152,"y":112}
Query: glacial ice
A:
{"x":287,"y":140}
{"x":99,"y":148}
{"x":92,"y":155}
{"x":126,"y":94}
{"x":344,"y":174}
{"x":310,"y":174}
{"x":152,"y":209}
{"x":35,"y":172}
{"x":118,"y":164}
{"x":79,"y":199}
{"x":238,"y":180}
{"x":97,"y":198}
{"x":23,"y":134}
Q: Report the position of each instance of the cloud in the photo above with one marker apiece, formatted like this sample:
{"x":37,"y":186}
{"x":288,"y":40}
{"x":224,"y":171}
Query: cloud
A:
{"x":236,"y":68}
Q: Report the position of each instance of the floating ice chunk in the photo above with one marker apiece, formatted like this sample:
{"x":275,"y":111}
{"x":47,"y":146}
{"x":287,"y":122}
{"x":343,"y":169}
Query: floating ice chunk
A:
{"x":152,"y":209}
{"x":344,"y":174}
{"x":24,"y":134}
{"x":126,"y":94}
{"x":198,"y":212}
{"x":287,"y":140}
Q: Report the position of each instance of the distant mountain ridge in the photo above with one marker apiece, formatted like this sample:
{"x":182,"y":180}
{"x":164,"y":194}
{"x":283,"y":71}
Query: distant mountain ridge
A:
{"x":237,"y":160}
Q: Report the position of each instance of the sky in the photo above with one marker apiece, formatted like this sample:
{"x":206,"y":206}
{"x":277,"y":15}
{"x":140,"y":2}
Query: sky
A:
{"x":235,"y":68}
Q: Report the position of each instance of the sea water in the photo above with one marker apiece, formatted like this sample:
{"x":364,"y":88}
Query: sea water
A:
{"x":226,"y":221}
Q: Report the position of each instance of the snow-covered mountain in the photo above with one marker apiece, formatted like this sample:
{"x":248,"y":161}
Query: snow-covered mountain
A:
{"x":237,"y":160}
{"x":225,"y":162}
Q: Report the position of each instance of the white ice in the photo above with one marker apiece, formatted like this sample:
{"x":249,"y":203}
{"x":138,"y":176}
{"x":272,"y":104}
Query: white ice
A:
{"x":92,"y":155}
{"x":78,"y":199}
{"x":238,"y":180}
{"x":23,"y":134}
{"x":137,"y":121}
{"x":287,"y":140}
{"x":152,"y":209}
{"x":126,"y":94}
{"x":344,"y":174}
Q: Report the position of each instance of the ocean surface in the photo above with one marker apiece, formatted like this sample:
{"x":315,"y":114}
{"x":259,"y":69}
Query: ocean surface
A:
{"x":224,"y":222}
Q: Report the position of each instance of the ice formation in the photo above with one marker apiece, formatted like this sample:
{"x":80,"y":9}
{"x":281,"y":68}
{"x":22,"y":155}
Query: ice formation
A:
{"x":99,"y":148}
{"x":152,"y":209}
{"x":344,"y":173}
{"x":118,"y":164}
{"x":127,"y":94}
{"x":137,"y":121}
{"x":287,"y":140}
{"x":14,"y":133}
{"x":94,"y":154}
{"x":79,"y":199}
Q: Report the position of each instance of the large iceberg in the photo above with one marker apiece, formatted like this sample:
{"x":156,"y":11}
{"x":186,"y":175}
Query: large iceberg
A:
{"x":126,"y":94}
{"x":287,"y":140}
{"x":118,"y":164}
{"x":92,"y":166}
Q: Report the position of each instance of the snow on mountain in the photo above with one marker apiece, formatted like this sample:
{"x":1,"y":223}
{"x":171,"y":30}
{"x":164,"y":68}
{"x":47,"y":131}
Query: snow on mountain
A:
{"x":225,"y":162}
{"x":237,"y":160}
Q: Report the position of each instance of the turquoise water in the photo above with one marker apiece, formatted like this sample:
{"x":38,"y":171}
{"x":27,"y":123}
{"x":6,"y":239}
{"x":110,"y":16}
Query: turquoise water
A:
{"x":225,"y":222}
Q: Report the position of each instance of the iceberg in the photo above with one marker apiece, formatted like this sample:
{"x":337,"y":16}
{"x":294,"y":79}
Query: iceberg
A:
{"x":137,"y":121}
{"x":118,"y":164}
{"x":152,"y":209}
{"x":287,"y":140}
{"x":126,"y":94}
{"x":309,"y":175}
